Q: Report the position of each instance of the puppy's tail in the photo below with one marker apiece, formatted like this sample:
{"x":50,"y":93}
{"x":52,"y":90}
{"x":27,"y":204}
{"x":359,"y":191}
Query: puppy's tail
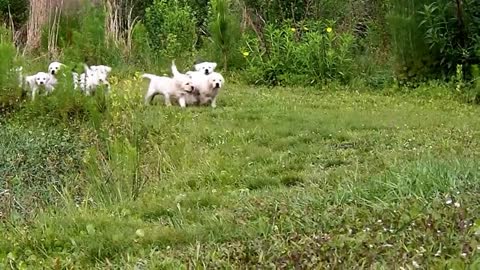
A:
{"x":86,"y":67}
{"x":174,"y":69}
{"x":148,"y":76}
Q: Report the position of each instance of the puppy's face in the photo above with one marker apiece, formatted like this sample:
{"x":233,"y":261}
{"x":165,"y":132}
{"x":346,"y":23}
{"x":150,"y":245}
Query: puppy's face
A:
{"x":54,"y":67}
{"x":216,"y":80}
{"x":42,"y":78}
{"x":186,"y":84}
{"x":206,"y":67}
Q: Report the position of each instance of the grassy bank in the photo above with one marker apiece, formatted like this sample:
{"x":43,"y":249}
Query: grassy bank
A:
{"x":283,"y":176}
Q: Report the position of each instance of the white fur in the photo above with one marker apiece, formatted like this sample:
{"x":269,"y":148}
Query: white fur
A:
{"x":205,"y":68}
{"x":178,"y":87}
{"x":102,"y":69}
{"x":19,"y":72}
{"x":90,"y":79}
{"x":54,"y":68}
{"x":208,"y":87}
{"x":39,"y":80}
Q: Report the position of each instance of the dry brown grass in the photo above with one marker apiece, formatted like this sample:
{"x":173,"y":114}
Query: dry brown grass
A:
{"x":42,"y":12}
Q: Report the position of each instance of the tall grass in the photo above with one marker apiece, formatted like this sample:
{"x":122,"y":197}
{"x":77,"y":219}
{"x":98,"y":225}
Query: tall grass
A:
{"x":10,"y":92}
{"x":407,"y":39}
{"x":224,"y":28}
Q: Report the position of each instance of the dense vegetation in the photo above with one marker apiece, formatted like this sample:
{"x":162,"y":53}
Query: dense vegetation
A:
{"x":347,"y":137}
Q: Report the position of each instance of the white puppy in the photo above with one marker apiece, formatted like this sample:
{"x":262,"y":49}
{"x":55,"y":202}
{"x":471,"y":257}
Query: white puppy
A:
{"x":55,"y":67}
{"x":102,"y":73}
{"x":177,"y":87}
{"x":205,"y":67}
{"x":90,"y":80}
{"x":208,"y":87}
{"x":39,"y":80}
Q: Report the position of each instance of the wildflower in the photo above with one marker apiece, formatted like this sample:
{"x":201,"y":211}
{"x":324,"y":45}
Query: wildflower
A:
{"x":245,"y":54}
{"x":293,"y":29}
{"x":329,"y":29}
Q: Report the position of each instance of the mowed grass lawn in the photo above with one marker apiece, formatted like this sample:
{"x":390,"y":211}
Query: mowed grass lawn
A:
{"x":282,"y":177}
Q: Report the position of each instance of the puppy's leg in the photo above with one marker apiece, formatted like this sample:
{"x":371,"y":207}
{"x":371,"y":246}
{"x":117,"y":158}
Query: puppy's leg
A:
{"x":148,"y":98}
{"x":34,"y":92}
{"x":182,"y":102}
{"x":168,"y":103}
{"x":214,"y":102}
{"x":49,"y":89}
{"x":151,"y":93}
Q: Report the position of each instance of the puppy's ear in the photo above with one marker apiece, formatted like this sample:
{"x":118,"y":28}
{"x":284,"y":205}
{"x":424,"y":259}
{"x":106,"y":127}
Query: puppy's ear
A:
{"x":108,"y":69}
{"x":214,"y":65}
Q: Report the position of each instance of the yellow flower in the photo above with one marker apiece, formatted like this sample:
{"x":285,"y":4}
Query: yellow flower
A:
{"x":245,"y":54}
{"x":329,"y":29}
{"x":293,"y":29}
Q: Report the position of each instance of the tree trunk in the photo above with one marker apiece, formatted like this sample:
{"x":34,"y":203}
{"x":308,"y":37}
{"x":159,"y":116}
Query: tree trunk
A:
{"x":39,"y":15}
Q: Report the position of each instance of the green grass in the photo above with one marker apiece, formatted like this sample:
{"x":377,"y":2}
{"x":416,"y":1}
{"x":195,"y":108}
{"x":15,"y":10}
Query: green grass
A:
{"x":283,"y":177}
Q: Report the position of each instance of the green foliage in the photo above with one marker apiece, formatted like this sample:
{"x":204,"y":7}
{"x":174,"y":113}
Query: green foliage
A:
{"x":171,"y":27}
{"x":83,"y":38}
{"x":64,"y":105}
{"x":307,"y":54}
{"x":472,"y":94}
{"x":17,"y":9}
{"x":408,"y":44}
{"x":10,"y":92}
{"x":297,"y":10}
{"x":224,"y":29}
{"x":142,"y":52}
{"x":430,"y":38}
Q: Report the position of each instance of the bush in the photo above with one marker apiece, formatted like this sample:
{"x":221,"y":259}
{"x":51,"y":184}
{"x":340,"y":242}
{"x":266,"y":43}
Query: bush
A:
{"x":171,"y":27}
{"x":430,"y":38}
{"x":307,"y":54}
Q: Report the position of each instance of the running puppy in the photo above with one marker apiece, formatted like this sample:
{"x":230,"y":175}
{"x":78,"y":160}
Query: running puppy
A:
{"x":178,"y":87}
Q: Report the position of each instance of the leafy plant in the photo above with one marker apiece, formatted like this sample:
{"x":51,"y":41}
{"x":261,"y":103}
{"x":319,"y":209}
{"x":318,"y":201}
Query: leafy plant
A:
{"x":171,"y":27}
{"x":306,"y":54}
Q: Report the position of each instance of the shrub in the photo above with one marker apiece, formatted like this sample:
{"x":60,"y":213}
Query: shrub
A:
{"x":306,"y":54}
{"x":430,"y":38}
{"x":171,"y":28}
